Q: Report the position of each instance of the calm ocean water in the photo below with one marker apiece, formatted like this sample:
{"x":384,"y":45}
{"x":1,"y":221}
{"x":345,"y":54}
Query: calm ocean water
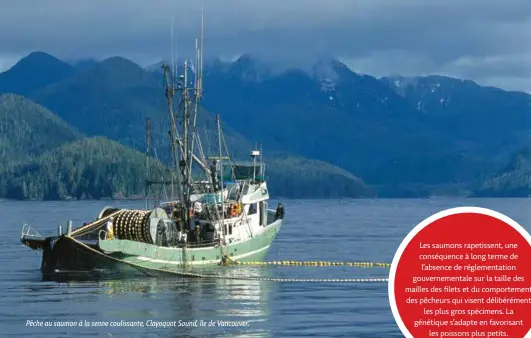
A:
{"x":342,"y":230}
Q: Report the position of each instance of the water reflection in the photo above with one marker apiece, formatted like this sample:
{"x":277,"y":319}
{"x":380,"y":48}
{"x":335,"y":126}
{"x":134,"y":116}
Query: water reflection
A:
{"x":188,"y":300}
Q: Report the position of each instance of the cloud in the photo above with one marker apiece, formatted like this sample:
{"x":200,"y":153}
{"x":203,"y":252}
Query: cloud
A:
{"x":477,"y":39}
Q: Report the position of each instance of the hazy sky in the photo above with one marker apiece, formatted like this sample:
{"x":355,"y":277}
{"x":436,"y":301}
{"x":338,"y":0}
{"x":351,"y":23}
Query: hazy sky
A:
{"x":484,"y":40}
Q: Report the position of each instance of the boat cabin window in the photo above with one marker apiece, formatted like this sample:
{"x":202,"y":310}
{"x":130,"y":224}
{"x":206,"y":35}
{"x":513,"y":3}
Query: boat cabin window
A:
{"x":253,"y":208}
{"x":242,"y":171}
{"x":234,"y":191}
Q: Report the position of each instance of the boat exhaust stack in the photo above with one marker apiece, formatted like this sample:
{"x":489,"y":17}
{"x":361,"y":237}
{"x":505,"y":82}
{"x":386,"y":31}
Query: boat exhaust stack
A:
{"x":254,"y":155}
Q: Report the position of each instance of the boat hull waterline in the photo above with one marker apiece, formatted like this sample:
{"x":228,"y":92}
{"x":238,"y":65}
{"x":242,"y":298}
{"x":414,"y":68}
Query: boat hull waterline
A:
{"x":64,"y":254}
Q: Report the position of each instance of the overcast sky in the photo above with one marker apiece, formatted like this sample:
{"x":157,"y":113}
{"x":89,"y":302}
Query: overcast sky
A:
{"x":488,"y":41}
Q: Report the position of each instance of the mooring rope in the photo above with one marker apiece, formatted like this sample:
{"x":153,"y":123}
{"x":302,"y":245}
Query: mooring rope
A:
{"x":250,"y":278}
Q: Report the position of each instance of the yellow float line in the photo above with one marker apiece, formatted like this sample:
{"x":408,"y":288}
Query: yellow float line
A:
{"x":205,"y":276}
{"x":319,"y":263}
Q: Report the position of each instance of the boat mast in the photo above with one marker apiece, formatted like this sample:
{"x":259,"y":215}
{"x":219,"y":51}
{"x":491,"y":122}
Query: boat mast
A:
{"x":174,"y":137}
{"x":174,"y":66}
{"x":148,"y":137}
{"x":186,"y":116}
{"x":184,"y":143}
{"x":198,"y":88}
{"x":173,"y":49}
{"x":183,"y":163}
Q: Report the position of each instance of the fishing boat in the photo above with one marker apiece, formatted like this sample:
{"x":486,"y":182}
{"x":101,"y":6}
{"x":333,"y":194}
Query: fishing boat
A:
{"x":220,"y":213}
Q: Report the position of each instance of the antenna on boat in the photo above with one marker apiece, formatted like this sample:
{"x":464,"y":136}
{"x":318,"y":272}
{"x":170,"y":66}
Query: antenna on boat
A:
{"x":196,"y":64}
{"x":198,"y":81}
{"x":262,"y":167}
{"x":173,"y":48}
{"x":199,"y":57}
{"x":201,"y":48}
{"x":254,"y":154}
